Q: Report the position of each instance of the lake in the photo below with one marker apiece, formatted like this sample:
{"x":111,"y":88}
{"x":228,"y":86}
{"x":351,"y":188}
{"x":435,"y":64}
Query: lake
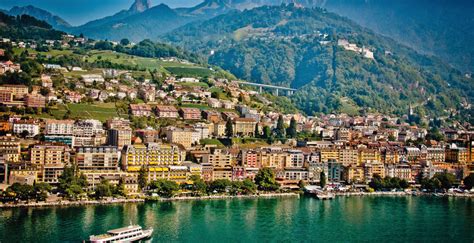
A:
{"x":344,"y":219}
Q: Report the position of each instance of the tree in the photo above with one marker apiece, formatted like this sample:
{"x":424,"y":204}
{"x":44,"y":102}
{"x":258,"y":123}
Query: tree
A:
{"x":104,"y":189}
{"x":322,"y":179}
{"x":164,"y":187}
{"x":248,"y":186}
{"x":265,"y":180}
{"x":301,"y":184}
{"x":142,"y":178}
{"x":199,"y":187}
{"x":219,"y":185}
{"x":257,"y":131}
{"x":376,"y":182}
{"x":447,"y":179}
{"x":21,"y":191}
{"x":280,"y":130}
{"x":229,"y":128}
{"x":120,"y":188}
{"x":125,"y":42}
{"x":291,"y":130}
{"x":41,"y":190}
{"x":469,"y":181}
{"x":71,"y":183}
{"x":267,"y":132}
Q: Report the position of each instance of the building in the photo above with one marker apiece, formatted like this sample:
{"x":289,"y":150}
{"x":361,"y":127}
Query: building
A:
{"x":46,"y":81}
{"x":10,"y":148}
{"x":119,"y":137}
{"x":165,"y":111}
{"x":140,"y":110}
{"x":190,"y":113}
{"x":88,"y":128}
{"x":102,"y":158}
{"x":354,"y":174}
{"x":152,"y":156}
{"x":456,"y":155}
{"x":180,"y":136}
{"x":50,"y":161}
{"x":296,"y":159}
{"x":249,"y":159}
{"x":59,"y":127}
{"x":244,"y":127}
{"x":372,"y":168}
{"x":435,"y":154}
{"x":117,"y":122}
{"x":29,"y":127}
{"x":18,"y":91}
{"x":218,"y":159}
{"x":6,"y":96}
{"x":5,"y":126}
{"x":90,"y":79}
{"x":335,"y":171}
{"x":402,"y":171}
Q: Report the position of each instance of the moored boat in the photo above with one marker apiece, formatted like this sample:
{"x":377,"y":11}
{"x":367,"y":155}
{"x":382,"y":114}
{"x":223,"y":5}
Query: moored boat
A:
{"x":130,"y":233}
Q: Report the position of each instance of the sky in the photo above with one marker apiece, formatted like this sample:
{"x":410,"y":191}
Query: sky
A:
{"x":78,"y":12}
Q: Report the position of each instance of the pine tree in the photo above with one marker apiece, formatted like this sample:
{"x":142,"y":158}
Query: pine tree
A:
{"x":229,"y":129}
{"x":291,"y":131}
{"x":257,"y":131}
{"x":280,"y":130}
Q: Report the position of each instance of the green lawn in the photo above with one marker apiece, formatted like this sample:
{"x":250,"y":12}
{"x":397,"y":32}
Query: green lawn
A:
{"x":99,"y":111}
{"x":190,"y":71}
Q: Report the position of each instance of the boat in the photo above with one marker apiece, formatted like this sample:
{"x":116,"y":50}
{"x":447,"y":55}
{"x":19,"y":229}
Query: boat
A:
{"x":325,"y":196}
{"x":132,"y":233}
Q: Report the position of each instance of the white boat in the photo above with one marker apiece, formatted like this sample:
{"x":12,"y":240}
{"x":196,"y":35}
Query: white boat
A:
{"x":126,"y":234}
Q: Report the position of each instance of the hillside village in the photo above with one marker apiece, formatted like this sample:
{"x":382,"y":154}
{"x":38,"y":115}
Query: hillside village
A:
{"x":124,"y":127}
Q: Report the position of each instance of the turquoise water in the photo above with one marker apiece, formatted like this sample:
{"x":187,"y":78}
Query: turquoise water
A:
{"x":351,"y":219}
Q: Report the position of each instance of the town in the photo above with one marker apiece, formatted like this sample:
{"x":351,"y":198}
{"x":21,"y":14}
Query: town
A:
{"x":104,"y":131}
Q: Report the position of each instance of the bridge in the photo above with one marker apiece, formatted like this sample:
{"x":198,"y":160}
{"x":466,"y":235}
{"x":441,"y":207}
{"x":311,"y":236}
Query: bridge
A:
{"x":276,"y":88}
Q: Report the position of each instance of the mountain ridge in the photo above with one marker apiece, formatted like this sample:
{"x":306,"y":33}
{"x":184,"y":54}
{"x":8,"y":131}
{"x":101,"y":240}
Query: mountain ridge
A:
{"x":279,"y":45}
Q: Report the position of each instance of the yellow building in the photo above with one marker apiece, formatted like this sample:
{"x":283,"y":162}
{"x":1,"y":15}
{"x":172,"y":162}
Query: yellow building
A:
{"x":272,"y":159}
{"x":244,"y":127}
{"x":18,"y":91}
{"x":329,"y":154}
{"x":10,"y":148}
{"x":457,"y":155}
{"x":218,"y":159}
{"x":50,"y":160}
{"x":366,"y":155}
{"x":348,"y":157}
{"x":354,"y":174}
{"x":372,"y":168}
{"x":180,"y":136}
{"x":153,"y":156}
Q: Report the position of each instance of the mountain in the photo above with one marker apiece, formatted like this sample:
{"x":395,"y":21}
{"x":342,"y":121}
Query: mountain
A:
{"x":140,"y":6}
{"x":135,"y":26}
{"x":25,"y":27}
{"x":443,"y":28}
{"x":299,"y":47}
{"x":55,"y":21}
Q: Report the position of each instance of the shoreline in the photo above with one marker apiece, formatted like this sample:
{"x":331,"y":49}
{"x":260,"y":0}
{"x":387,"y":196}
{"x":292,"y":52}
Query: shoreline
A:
{"x":125,"y":201}
{"x":221,"y":197}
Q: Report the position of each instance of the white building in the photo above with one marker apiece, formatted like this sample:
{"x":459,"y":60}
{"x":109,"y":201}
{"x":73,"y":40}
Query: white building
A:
{"x":30,"y":126}
{"x":59,"y":127}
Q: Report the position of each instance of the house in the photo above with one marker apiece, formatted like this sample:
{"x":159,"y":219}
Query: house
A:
{"x":244,"y":127}
{"x":46,"y":81}
{"x":73,"y":97}
{"x":89,"y":79}
{"x":190,"y":113}
{"x":166,"y":111}
{"x":18,"y":91}
{"x":213,"y":103}
{"x":31,"y":127}
{"x":6,"y":96}
{"x":140,"y":109}
{"x":211,"y":116}
{"x":35,"y":101}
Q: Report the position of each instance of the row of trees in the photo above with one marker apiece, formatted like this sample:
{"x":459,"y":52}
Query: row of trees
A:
{"x":264,"y":181}
{"x":440,"y":181}
{"x":25,"y":192}
{"x":378,"y":183}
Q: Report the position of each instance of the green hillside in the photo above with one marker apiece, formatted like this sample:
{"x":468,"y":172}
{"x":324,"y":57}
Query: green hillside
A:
{"x":297,"y":47}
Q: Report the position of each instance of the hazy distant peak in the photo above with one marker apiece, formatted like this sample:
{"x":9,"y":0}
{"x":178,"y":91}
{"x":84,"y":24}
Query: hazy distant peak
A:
{"x":140,"y":6}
